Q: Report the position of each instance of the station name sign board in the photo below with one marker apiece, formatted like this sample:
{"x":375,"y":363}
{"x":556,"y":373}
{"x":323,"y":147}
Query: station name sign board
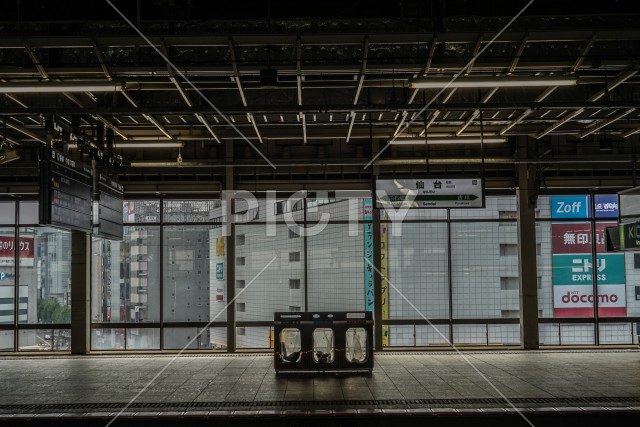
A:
{"x":430,"y":192}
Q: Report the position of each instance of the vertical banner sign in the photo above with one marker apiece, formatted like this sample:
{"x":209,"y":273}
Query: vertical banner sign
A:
{"x":384,"y":269}
{"x":219,"y":261}
{"x":368,"y":254}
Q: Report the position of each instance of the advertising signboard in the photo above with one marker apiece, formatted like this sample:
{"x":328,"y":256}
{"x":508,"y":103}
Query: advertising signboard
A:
{"x":572,"y":238}
{"x":573,"y":285}
{"x":570,"y":207}
{"x":368,"y":254}
{"x":7,"y":251}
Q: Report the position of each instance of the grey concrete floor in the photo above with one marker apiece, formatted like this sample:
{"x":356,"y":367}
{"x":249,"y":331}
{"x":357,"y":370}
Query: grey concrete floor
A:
{"x":250,"y":377}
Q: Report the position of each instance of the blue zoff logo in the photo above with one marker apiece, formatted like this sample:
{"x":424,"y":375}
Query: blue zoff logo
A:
{"x":570,"y":207}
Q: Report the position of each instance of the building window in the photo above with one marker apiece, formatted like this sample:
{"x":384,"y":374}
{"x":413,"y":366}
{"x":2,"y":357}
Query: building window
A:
{"x":240,"y":283}
{"x":507,"y":249}
{"x":293,"y":234}
{"x":242,"y":331}
{"x":240,"y":240}
{"x":294,"y":256}
{"x":240,"y":306}
{"x":240,"y":260}
{"x":294,"y":308}
{"x":509,"y":283}
{"x":294,"y":283}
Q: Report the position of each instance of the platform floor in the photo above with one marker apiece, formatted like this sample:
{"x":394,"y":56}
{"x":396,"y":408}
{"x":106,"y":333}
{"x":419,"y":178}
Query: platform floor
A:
{"x":246,"y":384}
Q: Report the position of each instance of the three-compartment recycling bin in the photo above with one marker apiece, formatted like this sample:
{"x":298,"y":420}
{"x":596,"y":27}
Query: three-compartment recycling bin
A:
{"x":323,"y":341}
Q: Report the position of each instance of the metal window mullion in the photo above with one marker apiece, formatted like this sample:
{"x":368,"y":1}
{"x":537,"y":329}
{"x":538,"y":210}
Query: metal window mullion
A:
{"x":306,"y":258}
{"x":594,"y":269}
{"x":161,"y":281}
{"x":450,"y":276}
{"x":16,"y":274}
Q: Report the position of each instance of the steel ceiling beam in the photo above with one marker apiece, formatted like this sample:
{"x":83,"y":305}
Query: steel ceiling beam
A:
{"x":236,"y":77}
{"x":604,"y":123}
{"x":172,"y":76}
{"x":595,"y":97}
{"x":363,"y":70}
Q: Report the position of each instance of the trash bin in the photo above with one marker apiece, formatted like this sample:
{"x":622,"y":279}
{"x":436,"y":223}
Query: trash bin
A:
{"x":323,"y":341}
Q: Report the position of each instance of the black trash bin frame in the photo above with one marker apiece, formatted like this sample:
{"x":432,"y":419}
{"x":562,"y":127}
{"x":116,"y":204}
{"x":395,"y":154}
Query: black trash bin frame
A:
{"x":306,"y":323}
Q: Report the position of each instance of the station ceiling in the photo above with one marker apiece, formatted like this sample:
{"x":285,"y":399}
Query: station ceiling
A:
{"x":193,"y":75}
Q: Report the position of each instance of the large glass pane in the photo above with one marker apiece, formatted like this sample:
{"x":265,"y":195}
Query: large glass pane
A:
{"x":7,"y":213}
{"x":28,"y":212}
{"x":280,"y":287}
{"x":45,"y":275}
{"x":336,"y":270}
{"x":418,"y":268}
{"x":6,"y":340}
{"x":484,"y":269}
{"x":189,"y":210}
{"x":496,"y":207}
{"x":141,"y":211}
{"x":187,"y":278}
{"x":8,"y":275}
{"x":126,"y":277}
{"x":107,"y":339}
{"x":143,"y":338}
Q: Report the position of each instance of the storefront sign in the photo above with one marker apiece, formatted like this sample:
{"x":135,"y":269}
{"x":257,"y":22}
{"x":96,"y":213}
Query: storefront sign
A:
{"x":573,"y":285}
{"x":575,"y":238}
{"x":26,"y":251}
{"x":567,"y":207}
{"x":606,"y":205}
{"x":219,"y":271}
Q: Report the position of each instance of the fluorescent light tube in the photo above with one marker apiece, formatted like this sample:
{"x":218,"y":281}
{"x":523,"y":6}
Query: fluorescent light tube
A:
{"x":142,"y":145}
{"x":488,"y":81}
{"x":59,"y":87}
{"x":448,"y":141}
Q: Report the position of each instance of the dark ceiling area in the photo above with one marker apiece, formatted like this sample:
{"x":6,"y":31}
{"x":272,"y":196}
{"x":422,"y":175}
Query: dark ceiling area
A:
{"x":327,"y":94}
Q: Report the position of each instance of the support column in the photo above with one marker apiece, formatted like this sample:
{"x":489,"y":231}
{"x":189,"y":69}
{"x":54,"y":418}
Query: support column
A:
{"x":80,"y":292}
{"x":377,"y":279}
{"x":527,"y":193}
{"x":230,"y":252}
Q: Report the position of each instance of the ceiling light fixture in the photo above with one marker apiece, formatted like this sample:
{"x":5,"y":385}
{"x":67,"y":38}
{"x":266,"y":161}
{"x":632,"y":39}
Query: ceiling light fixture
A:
{"x":142,"y":145}
{"x":59,"y":87}
{"x":490,"y":81}
{"x":447,"y":141}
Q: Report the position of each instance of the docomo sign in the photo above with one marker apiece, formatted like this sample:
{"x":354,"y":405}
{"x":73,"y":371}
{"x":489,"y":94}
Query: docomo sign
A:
{"x":578,"y":301}
{"x":26,"y":251}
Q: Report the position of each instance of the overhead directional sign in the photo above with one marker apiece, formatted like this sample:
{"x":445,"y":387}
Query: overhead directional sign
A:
{"x":436,"y":193}
{"x":110,"y":217}
{"x":624,"y":237}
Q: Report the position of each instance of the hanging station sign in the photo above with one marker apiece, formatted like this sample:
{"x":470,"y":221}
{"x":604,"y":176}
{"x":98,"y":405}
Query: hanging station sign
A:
{"x":430,"y":193}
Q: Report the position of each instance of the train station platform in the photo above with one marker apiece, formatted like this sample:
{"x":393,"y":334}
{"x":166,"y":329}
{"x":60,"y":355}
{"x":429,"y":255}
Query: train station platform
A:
{"x":548,"y":387}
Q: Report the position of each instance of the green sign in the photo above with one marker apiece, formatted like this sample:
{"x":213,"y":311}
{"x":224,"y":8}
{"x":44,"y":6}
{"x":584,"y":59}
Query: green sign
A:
{"x":220,"y":271}
{"x":578,"y":269}
{"x":3,"y":275}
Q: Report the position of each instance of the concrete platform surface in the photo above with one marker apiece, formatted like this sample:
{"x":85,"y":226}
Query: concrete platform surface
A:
{"x":244,"y":384}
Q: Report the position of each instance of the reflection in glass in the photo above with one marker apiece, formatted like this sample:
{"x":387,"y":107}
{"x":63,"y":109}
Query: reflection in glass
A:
{"x":323,"y":348}
{"x":7,"y":281}
{"x":45,"y":276}
{"x":356,"y":349}
{"x":290,"y":345}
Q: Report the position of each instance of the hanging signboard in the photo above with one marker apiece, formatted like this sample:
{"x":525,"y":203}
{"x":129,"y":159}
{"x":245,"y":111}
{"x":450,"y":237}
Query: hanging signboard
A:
{"x":110,"y":218}
{"x":430,"y":193}
{"x":65,"y":192}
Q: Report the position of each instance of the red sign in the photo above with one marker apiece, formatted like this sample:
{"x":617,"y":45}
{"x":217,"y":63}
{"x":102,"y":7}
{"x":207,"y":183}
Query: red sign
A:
{"x":7,"y":250}
{"x":575,"y":238}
